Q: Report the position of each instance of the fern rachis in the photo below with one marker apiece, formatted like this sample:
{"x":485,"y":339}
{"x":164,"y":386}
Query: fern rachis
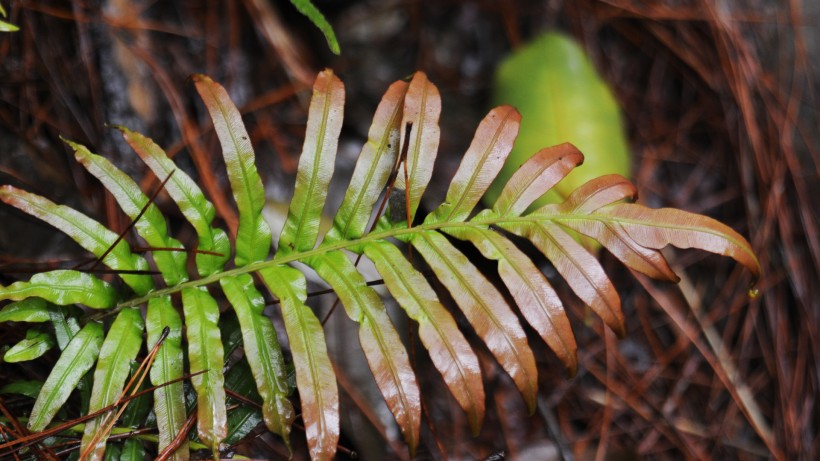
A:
{"x":633,"y":233}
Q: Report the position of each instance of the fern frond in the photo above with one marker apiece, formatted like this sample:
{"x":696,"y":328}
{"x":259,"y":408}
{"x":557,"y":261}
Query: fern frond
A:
{"x":394,"y":167}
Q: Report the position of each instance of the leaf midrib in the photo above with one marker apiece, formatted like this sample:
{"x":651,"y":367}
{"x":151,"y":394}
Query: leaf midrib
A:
{"x":427,"y":319}
{"x":489,"y":149}
{"x":245,"y":181}
{"x":490,"y":313}
{"x":492,"y":239}
{"x":399,"y":233}
{"x":317,"y":162}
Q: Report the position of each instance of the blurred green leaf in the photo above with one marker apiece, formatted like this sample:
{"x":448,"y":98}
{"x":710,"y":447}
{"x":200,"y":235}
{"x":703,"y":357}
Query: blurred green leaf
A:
{"x":8,"y":27}
{"x":245,"y":417}
{"x":562,"y":98}
{"x":27,"y":388}
{"x":318,"y":19}
{"x":133,"y":450}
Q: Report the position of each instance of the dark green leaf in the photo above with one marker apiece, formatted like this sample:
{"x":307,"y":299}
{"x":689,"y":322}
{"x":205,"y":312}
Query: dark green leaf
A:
{"x":231,"y":334}
{"x":27,"y":388}
{"x":138,"y":409}
{"x":245,"y":417}
{"x":133,"y":450}
{"x":114,"y":454}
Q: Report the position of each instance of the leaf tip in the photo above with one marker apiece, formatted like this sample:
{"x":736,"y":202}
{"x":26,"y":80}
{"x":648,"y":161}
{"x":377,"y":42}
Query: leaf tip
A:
{"x":197,"y":78}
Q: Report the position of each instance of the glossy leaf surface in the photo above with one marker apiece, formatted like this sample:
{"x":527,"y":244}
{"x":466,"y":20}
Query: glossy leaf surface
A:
{"x":35,"y":344}
{"x":485,"y":309}
{"x":262,"y":351}
{"x":169,"y":400}
{"x":65,"y":325}
{"x":315,"y":165}
{"x":75,"y":361}
{"x":481,"y":163}
{"x":579,"y":268}
{"x":535,"y":297}
{"x":189,"y":198}
{"x":422,"y":108}
{"x":90,"y":234}
{"x":535,"y":177}
{"x":151,"y":223}
{"x":245,"y":417}
{"x":382,"y":346}
{"x":205,"y":355}
{"x":315,"y":377}
{"x":373,"y":167}
{"x":396,"y":162}
{"x":253,"y":238}
{"x":32,"y":310}
{"x":64,"y":287}
{"x":449,"y":350}
{"x":120,"y":348}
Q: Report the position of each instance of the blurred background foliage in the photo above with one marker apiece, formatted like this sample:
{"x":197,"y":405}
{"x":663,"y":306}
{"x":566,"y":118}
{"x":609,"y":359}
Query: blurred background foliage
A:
{"x":720,"y":105}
